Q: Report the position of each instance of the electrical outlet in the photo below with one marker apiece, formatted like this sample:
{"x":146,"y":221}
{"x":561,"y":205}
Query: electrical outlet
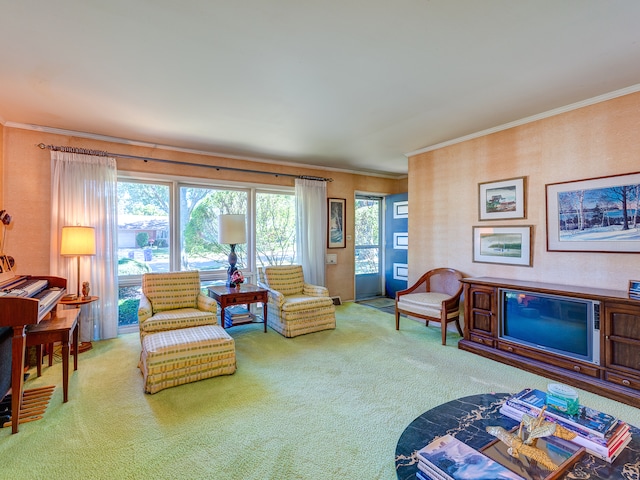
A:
{"x":331,"y":259}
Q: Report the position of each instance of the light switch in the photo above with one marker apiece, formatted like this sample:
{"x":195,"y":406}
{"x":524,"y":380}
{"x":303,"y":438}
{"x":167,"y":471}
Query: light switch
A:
{"x":331,"y":258}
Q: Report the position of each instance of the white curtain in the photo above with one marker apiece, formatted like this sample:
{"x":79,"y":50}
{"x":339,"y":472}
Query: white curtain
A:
{"x":311,"y":228}
{"x":83,"y":192}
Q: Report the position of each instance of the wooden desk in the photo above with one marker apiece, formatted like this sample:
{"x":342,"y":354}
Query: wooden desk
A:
{"x":61,"y":327}
{"x":77,"y":303}
{"x":244,"y":295}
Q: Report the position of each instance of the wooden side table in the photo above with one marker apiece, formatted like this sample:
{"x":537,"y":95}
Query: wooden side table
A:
{"x":78,"y":302}
{"x":245,"y":294}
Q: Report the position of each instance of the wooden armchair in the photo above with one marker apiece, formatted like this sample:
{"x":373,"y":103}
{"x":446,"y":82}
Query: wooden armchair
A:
{"x":435,"y":297}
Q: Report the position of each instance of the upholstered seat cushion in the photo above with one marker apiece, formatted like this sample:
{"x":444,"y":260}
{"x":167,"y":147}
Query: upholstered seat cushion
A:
{"x":179,"y":318}
{"x":176,"y":357}
{"x":297,"y":303}
{"x":425,"y":303}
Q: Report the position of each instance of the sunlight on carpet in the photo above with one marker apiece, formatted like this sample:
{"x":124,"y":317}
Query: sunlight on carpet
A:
{"x":326,"y":405}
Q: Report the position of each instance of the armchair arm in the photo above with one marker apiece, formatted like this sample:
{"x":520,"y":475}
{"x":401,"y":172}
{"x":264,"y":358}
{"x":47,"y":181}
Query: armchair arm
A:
{"x":275,"y":297}
{"x":452,"y":301}
{"x":206,"y":304}
{"x":144,"y":309}
{"x":315,"y":290}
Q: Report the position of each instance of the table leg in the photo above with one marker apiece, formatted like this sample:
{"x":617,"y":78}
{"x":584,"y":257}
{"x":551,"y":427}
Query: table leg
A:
{"x":222,"y":315}
{"x":264,"y":315}
{"x":65,"y":368}
{"x":75,"y":347}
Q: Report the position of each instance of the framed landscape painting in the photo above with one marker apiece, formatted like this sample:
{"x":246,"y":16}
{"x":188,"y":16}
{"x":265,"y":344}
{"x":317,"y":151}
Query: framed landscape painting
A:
{"x":336,"y":228}
{"x":594,"y":215}
{"x":500,"y":200}
{"x":505,"y":245}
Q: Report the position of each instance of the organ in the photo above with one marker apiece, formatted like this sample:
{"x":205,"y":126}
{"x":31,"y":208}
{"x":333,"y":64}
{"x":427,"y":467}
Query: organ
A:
{"x":24,"y":300}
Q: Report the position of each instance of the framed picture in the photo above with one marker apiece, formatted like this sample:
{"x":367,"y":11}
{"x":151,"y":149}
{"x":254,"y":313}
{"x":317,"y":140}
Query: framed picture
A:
{"x":500,"y":200}
{"x":336,"y":230}
{"x":505,"y":245}
{"x":594,"y":215}
{"x":634,"y":289}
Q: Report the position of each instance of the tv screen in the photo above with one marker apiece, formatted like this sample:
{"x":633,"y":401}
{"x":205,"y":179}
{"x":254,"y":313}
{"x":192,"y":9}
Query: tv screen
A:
{"x":562,"y":325}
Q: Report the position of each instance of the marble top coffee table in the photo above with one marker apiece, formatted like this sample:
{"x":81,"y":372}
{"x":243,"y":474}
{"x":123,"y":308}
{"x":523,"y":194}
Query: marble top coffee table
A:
{"x":466,"y":419}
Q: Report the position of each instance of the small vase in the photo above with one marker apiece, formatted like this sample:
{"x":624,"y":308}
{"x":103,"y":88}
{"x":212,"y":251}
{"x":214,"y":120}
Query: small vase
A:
{"x":85,"y":289}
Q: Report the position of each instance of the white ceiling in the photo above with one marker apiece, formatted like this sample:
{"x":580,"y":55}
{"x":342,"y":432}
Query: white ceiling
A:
{"x":349,"y":84}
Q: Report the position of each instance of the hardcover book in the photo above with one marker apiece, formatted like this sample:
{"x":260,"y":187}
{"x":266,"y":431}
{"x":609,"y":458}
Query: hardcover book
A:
{"x":458,"y":461}
{"x":598,"y":423}
{"x":608,"y":452}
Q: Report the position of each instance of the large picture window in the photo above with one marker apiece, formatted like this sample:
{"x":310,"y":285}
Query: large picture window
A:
{"x":169,"y":226}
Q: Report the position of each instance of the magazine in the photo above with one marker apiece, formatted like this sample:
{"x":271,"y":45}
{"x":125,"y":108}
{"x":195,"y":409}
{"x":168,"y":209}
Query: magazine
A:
{"x":461,"y":462}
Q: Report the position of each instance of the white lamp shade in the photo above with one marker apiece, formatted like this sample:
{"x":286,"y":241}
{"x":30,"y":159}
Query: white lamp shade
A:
{"x":231,"y":229}
{"x":78,"y":241}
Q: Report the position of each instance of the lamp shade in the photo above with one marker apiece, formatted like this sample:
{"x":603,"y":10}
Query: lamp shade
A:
{"x":78,"y":241}
{"x":231,"y":229}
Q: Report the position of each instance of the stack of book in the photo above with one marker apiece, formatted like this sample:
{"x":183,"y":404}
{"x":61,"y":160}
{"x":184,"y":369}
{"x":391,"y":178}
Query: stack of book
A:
{"x":236,"y":315}
{"x":601,"y":434}
{"x":447,"y":458}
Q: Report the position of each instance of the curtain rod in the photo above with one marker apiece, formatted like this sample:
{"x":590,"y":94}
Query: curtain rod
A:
{"x":102,"y":153}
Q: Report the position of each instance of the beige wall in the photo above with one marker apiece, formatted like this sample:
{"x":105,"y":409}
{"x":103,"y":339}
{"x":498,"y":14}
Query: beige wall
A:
{"x":27,"y":192}
{"x":598,"y":140}
{"x":1,"y":166}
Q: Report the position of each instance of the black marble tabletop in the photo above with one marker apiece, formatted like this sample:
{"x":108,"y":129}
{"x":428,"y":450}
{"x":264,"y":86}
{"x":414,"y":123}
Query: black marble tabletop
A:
{"x":466,"y":419}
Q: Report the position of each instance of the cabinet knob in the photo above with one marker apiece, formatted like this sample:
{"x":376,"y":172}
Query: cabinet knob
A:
{"x":626,"y":382}
{"x":576,"y":368}
{"x":510,"y":349}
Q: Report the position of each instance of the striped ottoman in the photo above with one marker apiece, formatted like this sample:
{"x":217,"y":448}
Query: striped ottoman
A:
{"x":175,"y":357}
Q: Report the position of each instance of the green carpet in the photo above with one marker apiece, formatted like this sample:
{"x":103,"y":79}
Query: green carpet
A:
{"x":329,"y":405}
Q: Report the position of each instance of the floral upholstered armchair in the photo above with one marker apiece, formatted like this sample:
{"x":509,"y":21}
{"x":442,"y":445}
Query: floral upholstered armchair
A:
{"x":295,"y":307}
{"x":173,"y":300}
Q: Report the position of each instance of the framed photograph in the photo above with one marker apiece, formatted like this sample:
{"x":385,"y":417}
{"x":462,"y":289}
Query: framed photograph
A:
{"x":505,"y":245}
{"x":634,"y":289}
{"x":594,"y":215}
{"x":336,"y":230}
{"x":501,"y":200}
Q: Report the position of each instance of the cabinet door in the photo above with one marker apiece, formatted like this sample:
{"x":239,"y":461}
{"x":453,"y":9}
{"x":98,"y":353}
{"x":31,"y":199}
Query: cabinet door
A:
{"x":481,"y":304}
{"x":622,"y":337}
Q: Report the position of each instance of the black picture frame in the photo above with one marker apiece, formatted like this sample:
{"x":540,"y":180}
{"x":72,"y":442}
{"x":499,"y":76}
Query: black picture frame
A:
{"x":336,"y":236}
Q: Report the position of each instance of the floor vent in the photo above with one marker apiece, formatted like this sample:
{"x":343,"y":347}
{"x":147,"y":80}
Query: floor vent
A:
{"x":336,"y":300}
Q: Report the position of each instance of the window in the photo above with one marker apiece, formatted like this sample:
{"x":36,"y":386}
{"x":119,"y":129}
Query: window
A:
{"x":143,"y":228}
{"x":275,"y":229}
{"x":168,"y":226}
{"x":199,"y":210}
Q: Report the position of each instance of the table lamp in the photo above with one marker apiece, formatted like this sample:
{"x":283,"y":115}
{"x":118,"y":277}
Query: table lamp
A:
{"x":76,"y":242}
{"x":231,"y":230}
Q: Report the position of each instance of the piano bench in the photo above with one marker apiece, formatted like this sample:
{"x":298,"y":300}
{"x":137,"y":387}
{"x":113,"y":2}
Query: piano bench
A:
{"x":61,"y":327}
{"x":176,"y":357}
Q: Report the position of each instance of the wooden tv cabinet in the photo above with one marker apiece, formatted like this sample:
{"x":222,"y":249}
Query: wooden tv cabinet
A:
{"x":616,"y":377}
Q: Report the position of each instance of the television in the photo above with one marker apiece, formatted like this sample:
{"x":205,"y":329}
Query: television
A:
{"x":565,"y":326}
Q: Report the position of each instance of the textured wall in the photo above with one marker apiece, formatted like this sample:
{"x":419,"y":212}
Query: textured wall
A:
{"x":598,"y":140}
{"x":27,"y":182}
